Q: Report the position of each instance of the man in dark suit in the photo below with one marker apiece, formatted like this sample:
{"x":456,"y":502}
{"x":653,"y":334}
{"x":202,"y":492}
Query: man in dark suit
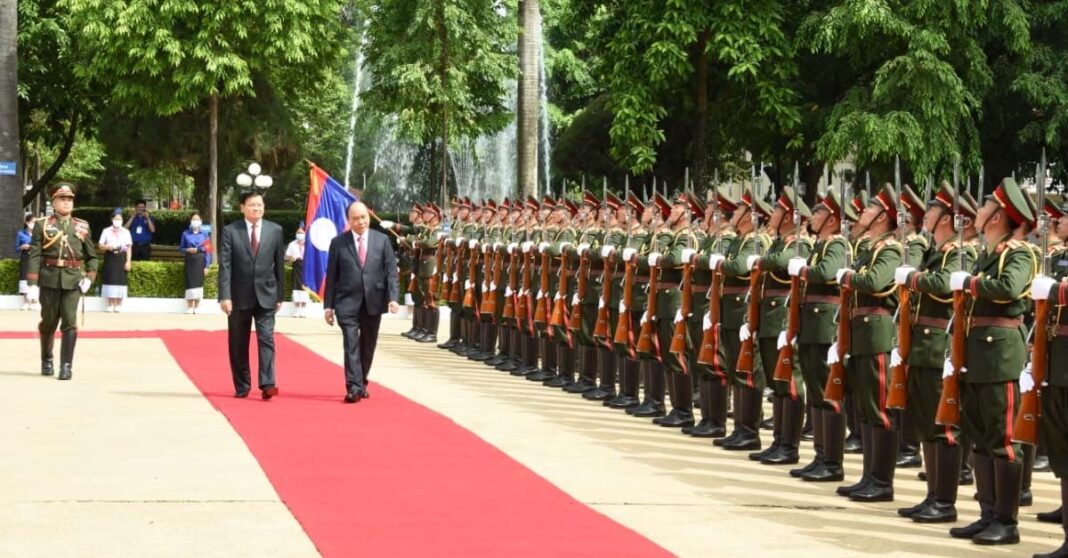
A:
{"x":251,"y":286}
{"x":361,"y":283}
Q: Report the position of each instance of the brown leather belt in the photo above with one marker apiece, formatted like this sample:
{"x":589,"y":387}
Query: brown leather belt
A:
{"x":667,"y":285}
{"x":701,"y":288}
{"x":776,"y":292}
{"x":735,"y":290}
{"x":991,"y":321}
{"x":57,"y":262}
{"x":1061,"y":331}
{"x":930,"y":321}
{"x":871,"y":311}
{"x":825,"y":299}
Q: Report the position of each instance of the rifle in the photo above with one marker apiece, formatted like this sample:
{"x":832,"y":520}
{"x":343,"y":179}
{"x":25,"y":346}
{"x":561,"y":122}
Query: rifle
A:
{"x":834,"y":390}
{"x":624,"y":334}
{"x":510,"y":302}
{"x":1025,"y":430}
{"x":600,"y":327}
{"x":416,"y":253}
{"x":489,"y":298}
{"x":439,"y":257}
{"x":784,"y":366}
{"x":898,"y":394}
{"x":678,"y":338}
{"x":456,"y":288}
{"x":558,"y":317}
{"x":747,"y":352}
{"x":647,"y":341}
{"x":523,"y":298}
{"x":583,"y":274}
{"x":472,"y":274}
{"x":710,"y":337}
{"x":948,"y":413}
{"x":541,"y":306}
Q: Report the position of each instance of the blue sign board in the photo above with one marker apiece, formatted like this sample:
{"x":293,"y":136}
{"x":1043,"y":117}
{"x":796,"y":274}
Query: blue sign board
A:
{"x":7,"y":168}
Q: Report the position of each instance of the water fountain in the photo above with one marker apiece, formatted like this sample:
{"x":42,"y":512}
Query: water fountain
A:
{"x":357,"y":86}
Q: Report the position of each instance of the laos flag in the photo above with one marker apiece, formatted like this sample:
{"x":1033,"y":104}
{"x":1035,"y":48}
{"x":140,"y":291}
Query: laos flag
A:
{"x":325,"y":218}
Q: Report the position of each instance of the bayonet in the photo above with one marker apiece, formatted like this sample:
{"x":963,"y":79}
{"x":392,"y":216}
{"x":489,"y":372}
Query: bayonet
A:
{"x":1043,"y":218}
{"x":900,"y":214}
{"x":797,"y":212}
{"x":867,"y":182}
{"x":958,"y":219}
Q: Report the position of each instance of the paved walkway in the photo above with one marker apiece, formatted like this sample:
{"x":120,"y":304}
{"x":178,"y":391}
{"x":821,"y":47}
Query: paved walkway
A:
{"x":128,"y":460}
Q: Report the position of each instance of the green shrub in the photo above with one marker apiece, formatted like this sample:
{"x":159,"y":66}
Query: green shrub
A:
{"x":9,"y":276}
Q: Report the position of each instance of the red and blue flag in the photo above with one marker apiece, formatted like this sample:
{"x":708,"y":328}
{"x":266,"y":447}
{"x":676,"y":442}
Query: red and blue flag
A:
{"x":325,"y":218}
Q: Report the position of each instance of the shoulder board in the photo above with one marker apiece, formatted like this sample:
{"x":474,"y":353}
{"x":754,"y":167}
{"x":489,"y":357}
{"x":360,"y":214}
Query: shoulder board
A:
{"x":78,"y":221}
{"x":1014,"y":244}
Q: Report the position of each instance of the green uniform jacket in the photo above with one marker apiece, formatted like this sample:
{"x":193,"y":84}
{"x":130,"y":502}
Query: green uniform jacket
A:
{"x":820,"y":303}
{"x":1057,"y":374}
{"x":999,"y":290}
{"x":64,"y":239}
{"x":930,"y":285}
{"x":736,"y":277}
{"x":873,"y":286}
{"x":775,"y":283}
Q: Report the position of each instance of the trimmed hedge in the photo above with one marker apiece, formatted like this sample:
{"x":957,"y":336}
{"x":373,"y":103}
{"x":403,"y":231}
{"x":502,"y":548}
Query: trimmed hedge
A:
{"x":170,"y":224}
{"x":147,"y":280}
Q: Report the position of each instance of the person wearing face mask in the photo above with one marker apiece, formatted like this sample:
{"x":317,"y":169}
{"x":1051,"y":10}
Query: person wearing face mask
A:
{"x":115,"y":243}
{"x":23,"y":239}
{"x":295,"y":258}
{"x":196,"y":247}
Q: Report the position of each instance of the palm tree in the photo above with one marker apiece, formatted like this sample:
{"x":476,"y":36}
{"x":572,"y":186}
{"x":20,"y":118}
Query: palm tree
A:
{"x":528,"y":102}
{"x":10,"y":185}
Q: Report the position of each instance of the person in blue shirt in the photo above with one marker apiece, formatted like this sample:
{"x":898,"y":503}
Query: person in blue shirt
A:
{"x":141,"y":226}
{"x":196,"y":246}
{"x":22,"y":247}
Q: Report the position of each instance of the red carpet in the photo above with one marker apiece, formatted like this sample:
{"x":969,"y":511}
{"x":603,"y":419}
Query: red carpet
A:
{"x":389,"y":477}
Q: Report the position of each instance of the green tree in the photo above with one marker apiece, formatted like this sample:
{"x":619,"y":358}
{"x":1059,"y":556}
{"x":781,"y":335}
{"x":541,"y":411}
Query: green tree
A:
{"x":10,"y":185}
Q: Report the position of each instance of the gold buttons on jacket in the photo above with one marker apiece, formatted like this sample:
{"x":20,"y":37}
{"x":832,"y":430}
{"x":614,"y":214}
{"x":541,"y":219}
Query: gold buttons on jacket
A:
{"x":815,"y":310}
{"x":989,"y":339}
{"x":774,"y":302}
{"x":926,"y":331}
{"x":865,"y":319}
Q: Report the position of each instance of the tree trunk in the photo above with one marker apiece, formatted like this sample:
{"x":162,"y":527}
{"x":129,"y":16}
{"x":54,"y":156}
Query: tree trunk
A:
{"x":528,"y":105}
{"x":213,"y":171}
{"x":42,"y":179}
{"x":700,"y":127}
{"x":11,"y":183}
{"x":443,"y":37}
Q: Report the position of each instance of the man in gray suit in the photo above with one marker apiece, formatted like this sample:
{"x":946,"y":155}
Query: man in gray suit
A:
{"x":251,"y":286}
{"x":361,"y":283}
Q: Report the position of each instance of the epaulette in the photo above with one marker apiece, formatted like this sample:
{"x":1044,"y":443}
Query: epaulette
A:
{"x":77,"y":221}
{"x":919,"y":239}
{"x":888,"y":242}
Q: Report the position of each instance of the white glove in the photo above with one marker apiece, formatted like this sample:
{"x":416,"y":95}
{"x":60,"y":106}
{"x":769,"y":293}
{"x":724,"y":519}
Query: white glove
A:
{"x":442,"y":235}
{"x":645,"y":318}
{"x":493,"y":286}
{"x":838,"y":275}
{"x":583,"y":248}
{"x":901,"y":274}
{"x":629,"y":253}
{"x":497,"y":245}
{"x":895,"y":358}
{"x":782,"y":341}
{"x":706,"y":323}
{"x":687,"y":254}
{"x":459,"y":240}
{"x":714,"y":260}
{"x":512,"y":246}
{"x":654,"y":257}
{"x":600,"y":303}
{"x":751,"y":261}
{"x":1041,"y":286}
{"x":957,"y":279}
{"x":795,"y":266}
{"x":622,"y":307}
{"x":472,"y":243}
{"x":947,"y":369}
{"x":84,"y":284}
{"x":33,"y":293}
{"x":467,"y":285}
{"x":607,"y":250}
{"x":832,"y":353}
{"x":527,"y":245}
{"x":508,"y":291}
{"x":485,"y":248}
{"x":575,"y":299}
{"x":386,"y":224}
{"x":564,"y":245}
{"x":540,"y":295}
{"x":543,"y":247}
{"x":744,"y":334}
{"x":678,"y":316}
{"x":1027,"y":381}
{"x":455,"y":277}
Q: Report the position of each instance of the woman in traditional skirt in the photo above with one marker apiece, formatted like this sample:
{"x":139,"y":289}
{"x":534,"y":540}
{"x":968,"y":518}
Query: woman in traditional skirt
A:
{"x":196,"y":245}
{"x":116,"y":245}
{"x":295,"y":257}
{"x":22,"y":248}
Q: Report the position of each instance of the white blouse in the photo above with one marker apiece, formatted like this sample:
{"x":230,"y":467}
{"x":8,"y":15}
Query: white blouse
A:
{"x":116,"y":237}
{"x":295,"y":251}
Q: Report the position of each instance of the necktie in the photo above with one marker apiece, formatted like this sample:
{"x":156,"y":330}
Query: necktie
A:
{"x":361,"y":249}
{"x":255,"y":240}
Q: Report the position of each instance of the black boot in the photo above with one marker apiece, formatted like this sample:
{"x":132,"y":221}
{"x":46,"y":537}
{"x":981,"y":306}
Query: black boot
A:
{"x":705,"y":428}
{"x":1007,"y":481}
{"x":865,"y":476}
{"x":984,"y":483}
{"x":816,"y":416}
{"x":432,"y":319}
{"x":734,"y":414}
{"x":565,"y":366}
{"x":681,"y":402}
{"x":504,"y":342}
{"x":606,"y":374}
{"x":653,"y":405}
{"x":66,"y":353}
{"x":454,"y":331}
{"x":47,"y":342}
{"x":966,"y":476}
{"x":628,"y":386}
{"x":830,"y":469}
{"x":928,"y":449}
{"x":1026,"y":499}
{"x":416,"y":322}
{"x":515,"y":351}
{"x":587,"y":360}
{"x":793,"y":421}
{"x":776,"y":430}
{"x":749,"y":425}
{"x":808,"y":432}
{"x":885,"y":444}
{"x":545,"y":354}
{"x":943,"y":508}
{"x":1061,"y":552}
{"x":1055,"y":516}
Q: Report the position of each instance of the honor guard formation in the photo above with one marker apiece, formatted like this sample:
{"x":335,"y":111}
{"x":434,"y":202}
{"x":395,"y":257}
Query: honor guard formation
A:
{"x":939,"y":320}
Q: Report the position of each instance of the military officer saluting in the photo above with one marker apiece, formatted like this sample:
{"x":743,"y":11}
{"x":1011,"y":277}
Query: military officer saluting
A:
{"x":62,"y":267}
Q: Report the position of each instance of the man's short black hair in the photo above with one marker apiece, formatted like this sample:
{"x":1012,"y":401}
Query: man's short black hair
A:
{"x":140,"y":202}
{"x":250,"y":194}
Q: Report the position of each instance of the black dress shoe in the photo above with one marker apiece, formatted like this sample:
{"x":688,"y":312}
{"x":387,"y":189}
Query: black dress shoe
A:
{"x":647,"y":410}
{"x":449,"y":344}
{"x":508,"y":366}
{"x":352,"y":397}
{"x":972,"y":529}
{"x":853,"y":444}
{"x":784,"y":455}
{"x":1051,"y":516}
{"x":241,"y":394}
{"x":268,"y":392}
{"x":46,"y":368}
{"x":729,"y":439}
{"x":825,"y":472}
{"x":676,"y":420}
{"x":558,"y":381}
{"x":913,"y":510}
{"x":364,"y":394}
{"x":1026,"y":498}
{"x":936,"y":512}
{"x":428,"y":338}
{"x":598,"y":394}
{"x":876,"y":491}
{"x":1041,"y":464}
{"x":582,"y":386}
{"x":909,"y":460}
{"x":966,"y":477}
{"x":998,"y":533}
{"x":65,"y":371}
{"x":845,"y":491}
{"x":797,"y":473}
{"x":757,"y":456}
{"x":705,"y":430}
{"x":744,"y":442}
{"x":767,"y":424}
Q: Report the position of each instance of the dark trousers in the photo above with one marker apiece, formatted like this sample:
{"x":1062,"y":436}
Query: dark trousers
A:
{"x":141,"y":252}
{"x":239,"y":325}
{"x":359,"y":334}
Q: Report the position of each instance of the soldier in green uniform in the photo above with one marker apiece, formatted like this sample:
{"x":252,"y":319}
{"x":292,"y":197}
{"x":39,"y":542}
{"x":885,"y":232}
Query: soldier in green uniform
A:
{"x":830,"y":253}
{"x":929,"y":283}
{"x":872,"y":335}
{"x":652,"y":369}
{"x":788,"y":401}
{"x":602,"y":264}
{"x":996,"y":353}
{"x":748,"y":387}
{"x":470,"y":279}
{"x":459,"y":212}
{"x":488,"y":313}
{"x":629,"y":241}
{"x":544,"y":228}
{"x":916,"y":247}
{"x":1054,"y":396}
{"x":62,"y":266}
{"x":712,"y":386}
{"x":508,"y":213}
{"x":557,"y":236}
{"x":408,"y":237}
{"x":525,"y":339}
{"x":589,"y":235}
